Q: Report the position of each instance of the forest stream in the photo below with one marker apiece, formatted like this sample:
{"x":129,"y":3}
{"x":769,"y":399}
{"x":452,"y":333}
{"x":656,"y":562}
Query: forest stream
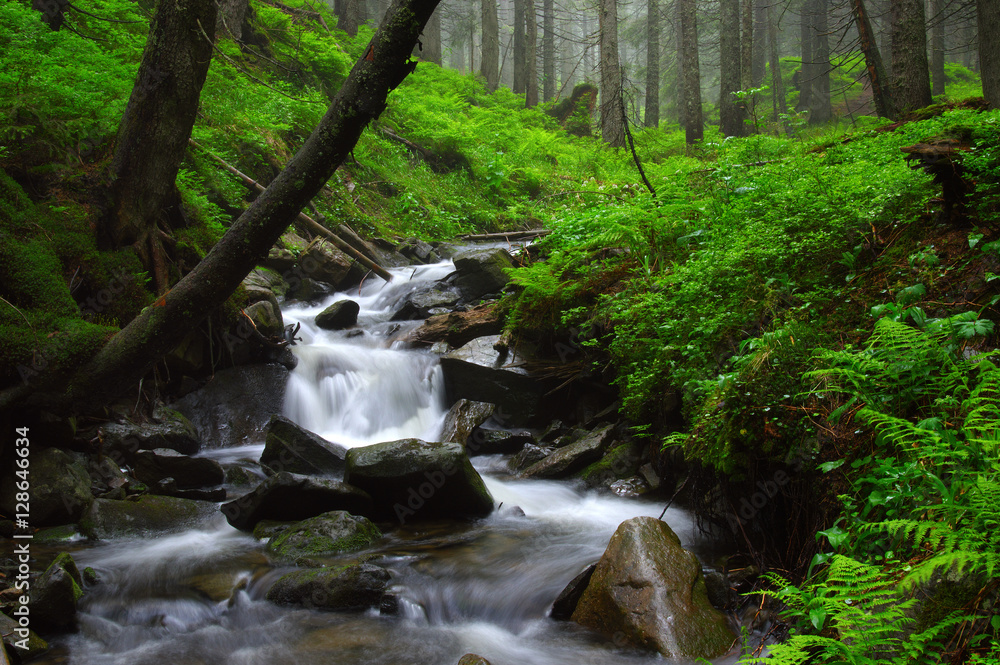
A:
{"x":196,"y":597}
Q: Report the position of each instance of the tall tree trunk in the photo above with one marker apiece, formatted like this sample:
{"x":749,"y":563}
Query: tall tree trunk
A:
{"x":531,"y":55}
{"x":430,"y":40}
{"x":612,"y":107}
{"x":548,"y":50}
{"x":820,"y":111}
{"x":520,"y":59}
{"x":777,"y":85}
{"x":652,"y":112}
{"x":988,"y":19}
{"x":884,"y":104}
{"x":230,"y":16}
{"x":937,"y":47}
{"x":681,"y":66}
{"x":155,"y":127}
{"x":911,"y":72}
{"x":759,"y":44}
{"x":130,"y":354}
{"x":746,"y":46}
{"x":490,"y":65}
{"x":694,"y":123}
{"x":570,"y":60}
{"x":350,"y":15}
{"x":730,"y":113}
{"x":807,"y":70}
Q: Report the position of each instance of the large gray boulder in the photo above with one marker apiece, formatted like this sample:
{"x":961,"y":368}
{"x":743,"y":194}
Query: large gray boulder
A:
{"x":151,"y":467}
{"x":420,"y":304}
{"x":60,"y":488}
{"x":355,"y":588}
{"x":294,"y":449}
{"x":174,"y":431}
{"x":647,"y":591}
{"x":463,"y":417}
{"x":413,"y":480}
{"x":323,"y":262}
{"x":289,"y":497}
{"x":341,"y":314}
{"x":482,"y":272}
{"x":574,"y":457}
{"x":478,"y":371}
{"x":234,"y":407}
{"x":324,"y":536}
{"x":108,"y":518}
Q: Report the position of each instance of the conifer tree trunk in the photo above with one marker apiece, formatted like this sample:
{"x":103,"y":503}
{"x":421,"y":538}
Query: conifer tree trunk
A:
{"x":652,"y":111}
{"x":911,"y":71}
{"x":777,"y":85}
{"x":937,"y":47}
{"x":988,"y":19}
{"x":520,"y":48}
{"x":490,"y":64}
{"x":531,"y":55}
{"x":155,"y":127}
{"x":548,"y":50}
{"x":612,"y":107}
{"x":130,"y":354}
{"x":820,"y":110}
{"x":759,"y":65}
{"x":807,"y":70}
{"x":730,"y":113}
{"x":430,"y":40}
{"x":746,"y":45}
{"x":877,"y":78}
{"x":694,"y":123}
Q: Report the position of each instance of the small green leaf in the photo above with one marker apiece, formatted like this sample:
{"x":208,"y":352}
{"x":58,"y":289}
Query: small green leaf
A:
{"x":827,"y":467}
{"x":818,"y":618}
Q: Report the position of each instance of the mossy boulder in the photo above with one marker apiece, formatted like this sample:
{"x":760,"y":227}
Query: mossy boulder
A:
{"x":341,"y":314}
{"x":574,"y":457}
{"x":108,"y":518}
{"x":55,"y":594}
{"x":472,"y":659}
{"x":60,"y":488}
{"x":482,"y":272}
{"x":16,"y":636}
{"x":291,"y":497}
{"x":324,"y":536}
{"x":289,"y":447}
{"x":412,"y":479}
{"x":151,"y":467}
{"x":354,"y":588}
{"x":622,"y":461}
{"x":648,"y":592}
{"x":175,"y":432}
{"x":463,"y":417}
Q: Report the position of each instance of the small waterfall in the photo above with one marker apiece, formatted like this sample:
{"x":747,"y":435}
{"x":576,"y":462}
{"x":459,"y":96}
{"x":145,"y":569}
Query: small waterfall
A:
{"x":356,"y":387}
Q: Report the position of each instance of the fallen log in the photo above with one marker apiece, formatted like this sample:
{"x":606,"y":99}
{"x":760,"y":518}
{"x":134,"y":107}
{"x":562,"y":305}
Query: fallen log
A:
{"x":507,"y":235}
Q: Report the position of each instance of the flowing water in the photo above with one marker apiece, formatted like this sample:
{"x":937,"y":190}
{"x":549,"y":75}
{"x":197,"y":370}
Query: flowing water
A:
{"x":196,"y":597}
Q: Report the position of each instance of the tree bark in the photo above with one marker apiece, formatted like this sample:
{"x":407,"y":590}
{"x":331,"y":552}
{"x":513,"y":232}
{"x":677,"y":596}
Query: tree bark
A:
{"x":884,"y":105}
{"x":937,"y":47}
{"x":746,"y":45}
{"x":612,"y":108}
{"x":520,"y":59}
{"x":911,"y":72}
{"x":820,"y":110}
{"x":548,"y":50}
{"x":155,"y":127}
{"x":759,"y":66}
{"x":777,"y":85}
{"x":490,"y":64}
{"x":694,"y":123}
{"x":730,"y":111}
{"x":531,"y":55}
{"x":806,"y":71}
{"x":988,"y":19}
{"x":230,"y":16}
{"x":430,"y":40}
{"x":130,"y":354}
{"x":652,"y":112}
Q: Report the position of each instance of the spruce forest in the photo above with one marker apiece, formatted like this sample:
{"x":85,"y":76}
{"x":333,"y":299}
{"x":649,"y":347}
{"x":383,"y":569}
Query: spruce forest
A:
{"x":747,"y":251}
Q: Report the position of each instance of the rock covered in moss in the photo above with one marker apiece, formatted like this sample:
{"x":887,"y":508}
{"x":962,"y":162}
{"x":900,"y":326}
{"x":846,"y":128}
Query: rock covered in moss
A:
{"x":574,"y":457}
{"x":648,"y":592}
{"x":482,"y":272}
{"x":325,"y":535}
{"x":54,"y":595}
{"x":60,"y":488}
{"x":341,"y":314}
{"x":473,"y":659}
{"x":412,"y":479}
{"x":463,"y":417}
{"x":109,"y":518}
{"x":16,"y":636}
{"x":354,"y":588}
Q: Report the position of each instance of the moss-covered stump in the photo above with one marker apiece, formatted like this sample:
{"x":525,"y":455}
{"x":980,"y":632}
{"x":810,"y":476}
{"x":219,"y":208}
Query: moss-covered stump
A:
{"x":109,"y":518}
{"x":412,"y":479}
{"x":350,"y":588}
{"x":322,"y":536}
{"x":60,"y":488}
{"x":647,"y":591}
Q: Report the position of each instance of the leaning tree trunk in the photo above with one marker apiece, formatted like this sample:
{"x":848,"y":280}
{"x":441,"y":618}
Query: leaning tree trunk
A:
{"x":730,"y":65}
{"x":130,"y":354}
{"x":911,"y":71}
{"x":877,"y":78}
{"x":531,"y":55}
{"x":155,"y":127}
{"x":694,"y":123}
{"x":612,"y":108}
{"x":989,"y":49}
{"x":652,"y":114}
{"x":489,"y":64}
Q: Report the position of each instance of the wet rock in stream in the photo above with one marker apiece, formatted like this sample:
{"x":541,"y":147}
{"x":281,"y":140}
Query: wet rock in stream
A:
{"x":289,"y":447}
{"x":323,"y":536}
{"x":291,"y":497}
{"x":60,"y":488}
{"x":355,"y":588}
{"x":107,"y":518}
{"x":574,"y":457}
